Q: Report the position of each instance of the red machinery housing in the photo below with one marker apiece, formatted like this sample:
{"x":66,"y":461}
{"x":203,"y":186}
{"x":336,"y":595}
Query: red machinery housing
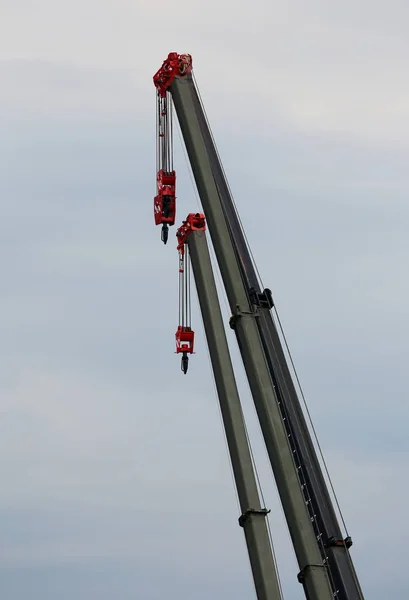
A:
{"x":174,"y":64}
{"x":185,"y":339}
{"x":194,"y":222}
{"x":164,"y":204}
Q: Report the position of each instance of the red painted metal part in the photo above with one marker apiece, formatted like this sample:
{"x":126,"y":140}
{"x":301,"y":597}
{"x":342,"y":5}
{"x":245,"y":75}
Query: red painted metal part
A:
{"x":193,"y":222}
{"x":185,"y":338}
{"x":164,"y":204}
{"x":175,"y":64}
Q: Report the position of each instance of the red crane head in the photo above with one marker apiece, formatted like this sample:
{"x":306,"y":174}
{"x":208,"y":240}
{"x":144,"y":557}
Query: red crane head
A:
{"x":174,"y":65}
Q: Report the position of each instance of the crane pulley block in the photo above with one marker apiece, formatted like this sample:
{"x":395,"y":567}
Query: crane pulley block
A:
{"x":185,"y":338}
{"x":175,"y":64}
{"x":165,"y":200}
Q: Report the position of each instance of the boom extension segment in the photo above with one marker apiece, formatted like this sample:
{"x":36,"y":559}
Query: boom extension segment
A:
{"x":253,"y":517}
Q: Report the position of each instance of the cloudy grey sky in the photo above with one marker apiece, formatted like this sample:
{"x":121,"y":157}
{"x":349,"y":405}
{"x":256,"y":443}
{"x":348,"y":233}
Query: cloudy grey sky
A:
{"x":115,"y":477}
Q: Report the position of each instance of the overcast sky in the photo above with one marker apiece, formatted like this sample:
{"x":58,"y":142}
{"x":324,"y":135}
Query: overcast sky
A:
{"x":115,"y":476}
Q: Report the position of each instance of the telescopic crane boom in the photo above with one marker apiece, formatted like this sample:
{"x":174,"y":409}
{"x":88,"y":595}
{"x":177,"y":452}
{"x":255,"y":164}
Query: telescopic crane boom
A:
{"x":191,"y":236}
{"x":326,"y":568}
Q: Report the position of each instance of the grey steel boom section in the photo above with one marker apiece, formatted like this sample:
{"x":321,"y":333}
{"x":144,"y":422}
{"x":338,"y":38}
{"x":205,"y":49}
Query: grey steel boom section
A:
{"x":253,"y":519}
{"x":334,"y":550}
{"x":315,"y":574}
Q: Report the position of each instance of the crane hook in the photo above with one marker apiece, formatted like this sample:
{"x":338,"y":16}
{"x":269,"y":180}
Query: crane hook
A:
{"x":185,"y":362}
{"x":165,"y":233}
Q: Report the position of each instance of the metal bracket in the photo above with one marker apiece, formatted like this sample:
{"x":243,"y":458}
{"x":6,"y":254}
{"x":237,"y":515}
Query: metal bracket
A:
{"x":302,"y":574}
{"x":252,"y":511}
{"x":334,"y":542}
{"x":242,"y":313}
{"x":262,"y":299}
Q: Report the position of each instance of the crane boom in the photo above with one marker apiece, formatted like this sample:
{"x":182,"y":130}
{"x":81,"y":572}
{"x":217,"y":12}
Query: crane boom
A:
{"x":253,"y":514}
{"x":326,"y":568}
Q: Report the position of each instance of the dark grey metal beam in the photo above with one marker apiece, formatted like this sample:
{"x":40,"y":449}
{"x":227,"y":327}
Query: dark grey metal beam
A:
{"x":253,"y":519}
{"x":325,"y":523}
{"x":334,"y":550}
{"x":315,"y":575}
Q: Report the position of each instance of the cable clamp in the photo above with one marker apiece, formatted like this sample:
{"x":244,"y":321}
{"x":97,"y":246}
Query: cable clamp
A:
{"x":252,"y":511}
{"x":242,"y":312}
